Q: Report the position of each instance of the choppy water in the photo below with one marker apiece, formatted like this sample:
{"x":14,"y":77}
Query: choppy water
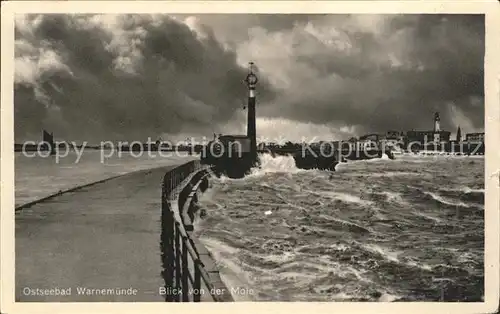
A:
{"x":38,"y":177}
{"x":377,"y":230}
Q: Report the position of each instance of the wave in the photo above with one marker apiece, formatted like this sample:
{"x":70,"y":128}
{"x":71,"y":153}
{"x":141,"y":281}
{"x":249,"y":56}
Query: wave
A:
{"x":468,"y":190}
{"x":345,"y":224}
{"x":355,"y":295}
{"x":391,"y":196}
{"x":446,"y":201}
{"x":389,"y":297}
{"x":384,"y":252}
{"x":390,"y":174}
{"x":428,"y":217}
{"x":349,"y":163}
{"x":396,"y":174}
{"x":277,"y":164}
{"x":231,"y":272}
{"x":466,"y":194}
{"x":465,"y":189}
{"x":344,"y":197}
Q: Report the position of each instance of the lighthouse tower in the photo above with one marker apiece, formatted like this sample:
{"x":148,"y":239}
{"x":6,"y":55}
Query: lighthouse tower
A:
{"x":251,"y":81}
{"x":437,"y":127}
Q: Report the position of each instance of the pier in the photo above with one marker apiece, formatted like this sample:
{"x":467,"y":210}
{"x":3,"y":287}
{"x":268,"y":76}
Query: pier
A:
{"x":122,"y":239}
{"x":101,"y":236}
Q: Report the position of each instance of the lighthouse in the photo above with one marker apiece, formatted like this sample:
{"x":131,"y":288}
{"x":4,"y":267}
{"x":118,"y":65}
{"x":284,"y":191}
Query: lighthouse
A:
{"x":236,"y":155}
{"x":251,"y":81}
{"x":437,"y":127}
{"x":437,"y":121}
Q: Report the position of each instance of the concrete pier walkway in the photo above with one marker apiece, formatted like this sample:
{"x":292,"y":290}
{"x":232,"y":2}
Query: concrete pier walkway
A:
{"x":105,"y":236}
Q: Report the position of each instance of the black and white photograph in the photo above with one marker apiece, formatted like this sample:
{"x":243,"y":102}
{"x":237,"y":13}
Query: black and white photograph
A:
{"x":263,"y":157}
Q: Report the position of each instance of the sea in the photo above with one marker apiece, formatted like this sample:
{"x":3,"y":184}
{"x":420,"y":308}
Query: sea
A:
{"x":409,"y":229}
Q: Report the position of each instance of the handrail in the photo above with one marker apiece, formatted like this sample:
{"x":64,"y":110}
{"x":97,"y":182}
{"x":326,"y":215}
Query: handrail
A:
{"x":186,"y":215}
{"x":183,"y":270}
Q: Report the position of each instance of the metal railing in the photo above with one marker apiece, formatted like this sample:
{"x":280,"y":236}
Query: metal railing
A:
{"x":186,"y":279}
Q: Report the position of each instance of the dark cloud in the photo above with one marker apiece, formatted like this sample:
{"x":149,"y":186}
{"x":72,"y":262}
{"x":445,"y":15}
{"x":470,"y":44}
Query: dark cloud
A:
{"x":173,"y":80}
{"x":29,"y":112}
{"x":145,"y":75}
{"x":442,"y":65}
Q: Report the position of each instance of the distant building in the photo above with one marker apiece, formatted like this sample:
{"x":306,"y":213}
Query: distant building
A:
{"x":48,"y":142}
{"x":392,"y":134}
{"x":367,"y":144}
{"x":371,"y":137}
{"x":392,"y":138}
{"x":429,"y":137}
{"x":357,"y":146}
{"x":474,"y":137}
{"x":389,"y":139}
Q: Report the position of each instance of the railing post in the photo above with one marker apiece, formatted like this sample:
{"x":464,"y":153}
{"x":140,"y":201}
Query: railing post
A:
{"x":177,"y":262}
{"x":167,"y":239}
{"x":172,"y":174}
{"x":197,"y":281}
{"x":185,"y":271}
{"x":171,"y":256}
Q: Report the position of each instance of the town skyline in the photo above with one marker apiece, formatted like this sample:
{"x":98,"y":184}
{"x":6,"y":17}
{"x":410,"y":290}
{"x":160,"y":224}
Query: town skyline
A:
{"x":261,"y":139}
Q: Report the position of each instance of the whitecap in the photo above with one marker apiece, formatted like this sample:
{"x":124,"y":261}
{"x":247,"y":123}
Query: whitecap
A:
{"x":470,"y":190}
{"x":344,"y":197}
{"x":419,"y":264}
{"x":446,"y":201}
{"x":277,"y":164}
{"x":384,"y":252}
{"x":429,"y":217}
{"x":464,"y":189}
{"x":391,"y":196}
{"x":388,"y":297}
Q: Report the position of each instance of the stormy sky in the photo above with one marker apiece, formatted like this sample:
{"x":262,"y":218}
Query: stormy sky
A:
{"x":130,"y":77}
